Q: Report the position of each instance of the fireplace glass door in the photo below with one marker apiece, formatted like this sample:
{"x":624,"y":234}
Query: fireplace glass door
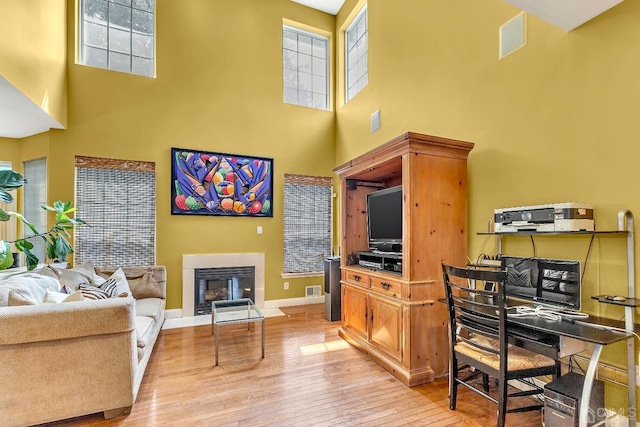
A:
{"x":224,"y":283}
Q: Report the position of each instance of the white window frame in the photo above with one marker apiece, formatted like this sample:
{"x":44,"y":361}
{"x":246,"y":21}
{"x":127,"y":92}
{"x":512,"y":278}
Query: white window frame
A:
{"x":294,"y":90}
{"x":356,"y":73}
{"x":8,"y":228}
{"x":136,"y":52}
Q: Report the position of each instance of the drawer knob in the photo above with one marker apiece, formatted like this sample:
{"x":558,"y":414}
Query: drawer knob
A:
{"x":385,"y":286}
{"x":356,"y":278}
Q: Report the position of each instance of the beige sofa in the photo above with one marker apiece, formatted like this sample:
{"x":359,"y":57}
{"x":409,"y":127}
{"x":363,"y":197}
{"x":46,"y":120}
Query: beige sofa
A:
{"x":63,"y":360}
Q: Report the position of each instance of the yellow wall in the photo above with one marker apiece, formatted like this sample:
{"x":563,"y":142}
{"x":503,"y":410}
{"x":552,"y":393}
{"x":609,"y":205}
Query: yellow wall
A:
{"x":33,"y":52}
{"x":556,"y":121}
{"x":219,"y":88}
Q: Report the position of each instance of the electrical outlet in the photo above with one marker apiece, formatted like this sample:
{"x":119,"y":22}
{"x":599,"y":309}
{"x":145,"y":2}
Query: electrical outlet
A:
{"x":286,"y":286}
{"x":259,"y":229}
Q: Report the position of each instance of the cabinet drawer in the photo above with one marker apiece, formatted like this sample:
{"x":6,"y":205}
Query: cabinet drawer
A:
{"x":357,"y":278}
{"x":387,"y":287}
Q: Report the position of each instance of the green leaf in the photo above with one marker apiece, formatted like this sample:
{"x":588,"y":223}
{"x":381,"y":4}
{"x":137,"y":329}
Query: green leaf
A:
{"x":62,"y":248}
{"x":6,"y":257}
{"x":32,"y":260}
{"x":10,"y":180}
{"x":4,"y":216}
{"x":24,"y":220}
{"x":60,"y":205}
{"x":5,"y":196}
{"x":23,"y":245}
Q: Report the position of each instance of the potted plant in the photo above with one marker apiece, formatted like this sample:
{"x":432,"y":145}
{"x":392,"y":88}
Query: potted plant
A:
{"x":55,"y":239}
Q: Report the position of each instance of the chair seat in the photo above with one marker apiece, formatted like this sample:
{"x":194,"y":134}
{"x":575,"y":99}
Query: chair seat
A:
{"x":519,"y":358}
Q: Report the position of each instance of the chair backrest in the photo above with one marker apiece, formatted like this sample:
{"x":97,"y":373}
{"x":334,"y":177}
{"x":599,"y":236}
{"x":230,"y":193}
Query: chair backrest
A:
{"x":477,"y":306}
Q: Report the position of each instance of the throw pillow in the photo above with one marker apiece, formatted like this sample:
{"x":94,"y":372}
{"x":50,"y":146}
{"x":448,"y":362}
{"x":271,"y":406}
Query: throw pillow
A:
{"x":118,"y":282}
{"x":71,"y":279}
{"x":140,"y":280}
{"x":16,"y":298}
{"x":145,"y":286}
{"x":60,"y":297}
{"x":93,"y":292}
{"x":519,"y":278}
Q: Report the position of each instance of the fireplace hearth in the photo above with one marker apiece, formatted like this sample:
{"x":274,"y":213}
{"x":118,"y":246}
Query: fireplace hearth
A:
{"x":222,"y":283}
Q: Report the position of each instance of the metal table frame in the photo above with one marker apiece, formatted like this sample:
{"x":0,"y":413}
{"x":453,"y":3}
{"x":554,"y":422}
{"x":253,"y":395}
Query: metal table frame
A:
{"x":220,"y":316}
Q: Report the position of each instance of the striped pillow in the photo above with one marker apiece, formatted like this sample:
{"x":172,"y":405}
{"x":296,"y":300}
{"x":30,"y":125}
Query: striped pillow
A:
{"x":93,"y":292}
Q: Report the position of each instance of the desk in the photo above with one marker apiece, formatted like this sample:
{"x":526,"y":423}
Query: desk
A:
{"x":581,"y":332}
{"x":544,"y":336}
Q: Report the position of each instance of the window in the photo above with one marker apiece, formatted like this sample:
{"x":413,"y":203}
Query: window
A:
{"x":35,"y":195}
{"x":117,"y":199}
{"x":305,"y":62}
{"x":118,"y":35}
{"x":8,"y":228}
{"x":307,"y":223}
{"x":357,"y":47}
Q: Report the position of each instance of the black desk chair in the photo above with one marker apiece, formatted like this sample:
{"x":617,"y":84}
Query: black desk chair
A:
{"x":478,"y":339}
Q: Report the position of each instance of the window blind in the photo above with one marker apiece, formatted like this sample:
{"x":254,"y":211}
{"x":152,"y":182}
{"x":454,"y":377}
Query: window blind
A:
{"x":307,"y":222}
{"x":8,"y":228}
{"x":35,"y":195}
{"x":117,"y":199}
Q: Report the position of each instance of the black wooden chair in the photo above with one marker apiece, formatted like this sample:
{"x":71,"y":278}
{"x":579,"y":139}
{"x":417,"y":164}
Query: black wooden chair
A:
{"x":479,"y":341}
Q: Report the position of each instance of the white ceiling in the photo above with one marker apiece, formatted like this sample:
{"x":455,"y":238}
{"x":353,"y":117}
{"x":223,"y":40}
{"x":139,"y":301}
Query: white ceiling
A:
{"x":19,"y":116}
{"x":328,"y":6}
{"x":565,"y":14}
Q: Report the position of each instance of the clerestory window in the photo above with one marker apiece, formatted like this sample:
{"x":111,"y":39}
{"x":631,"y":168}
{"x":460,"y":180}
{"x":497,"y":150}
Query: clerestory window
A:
{"x":118,"y":35}
{"x":356,"y":51}
{"x":305,"y":62}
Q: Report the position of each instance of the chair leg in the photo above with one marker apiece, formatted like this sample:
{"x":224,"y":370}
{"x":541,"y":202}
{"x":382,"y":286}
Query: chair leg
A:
{"x":502,"y":402}
{"x":485,"y":382}
{"x":453,"y":384}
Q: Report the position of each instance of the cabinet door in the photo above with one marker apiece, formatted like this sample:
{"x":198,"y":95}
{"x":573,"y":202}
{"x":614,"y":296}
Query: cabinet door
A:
{"x":354,"y":311}
{"x":386,"y":324}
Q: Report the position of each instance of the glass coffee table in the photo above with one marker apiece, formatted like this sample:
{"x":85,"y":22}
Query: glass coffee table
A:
{"x":228,"y":312}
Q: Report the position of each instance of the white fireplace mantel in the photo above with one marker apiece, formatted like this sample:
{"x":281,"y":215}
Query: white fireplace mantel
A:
{"x":192,"y":261}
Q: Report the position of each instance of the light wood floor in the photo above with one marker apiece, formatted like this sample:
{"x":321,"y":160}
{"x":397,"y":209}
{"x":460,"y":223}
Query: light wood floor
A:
{"x":309,"y":377}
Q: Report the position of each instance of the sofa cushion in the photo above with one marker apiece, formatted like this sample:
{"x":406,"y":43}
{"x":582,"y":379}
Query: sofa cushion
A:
{"x":150,"y":307}
{"x":143,"y":325}
{"x":16,"y":298}
{"x":31,"y":285}
{"x":71,"y":279}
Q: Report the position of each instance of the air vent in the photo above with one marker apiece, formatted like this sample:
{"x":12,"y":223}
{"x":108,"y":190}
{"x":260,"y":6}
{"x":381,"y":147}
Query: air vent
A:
{"x":312,"y":291}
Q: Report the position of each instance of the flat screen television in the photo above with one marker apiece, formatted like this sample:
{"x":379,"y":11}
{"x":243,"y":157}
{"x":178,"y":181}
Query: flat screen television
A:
{"x":550,"y":282}
{"x":384,"y":219}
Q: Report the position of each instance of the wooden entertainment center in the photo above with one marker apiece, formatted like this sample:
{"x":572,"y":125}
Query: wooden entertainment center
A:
{"x":392,"y":313}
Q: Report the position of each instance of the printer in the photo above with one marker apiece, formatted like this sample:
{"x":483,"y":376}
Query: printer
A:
{"x":549,"y":218}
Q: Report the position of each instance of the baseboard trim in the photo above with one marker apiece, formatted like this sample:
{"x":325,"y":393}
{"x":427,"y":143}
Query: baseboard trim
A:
{"x":176,"y":313}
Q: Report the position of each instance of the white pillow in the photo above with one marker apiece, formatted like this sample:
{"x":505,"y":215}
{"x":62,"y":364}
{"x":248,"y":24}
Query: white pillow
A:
{"x":122,"y":285}
{"x":59,"y":297}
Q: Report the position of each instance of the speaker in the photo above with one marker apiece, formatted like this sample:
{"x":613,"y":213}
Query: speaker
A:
{"x":513,"y":35}
{"x":352,"y":184}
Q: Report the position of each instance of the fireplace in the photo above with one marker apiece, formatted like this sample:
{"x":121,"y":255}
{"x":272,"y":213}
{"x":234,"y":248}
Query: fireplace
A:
{"x":222,"y":283}
{"x":193,"y":262}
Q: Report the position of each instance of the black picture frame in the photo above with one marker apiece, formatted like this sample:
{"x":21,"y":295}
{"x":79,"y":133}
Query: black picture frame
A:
{"x":215,"y":183}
